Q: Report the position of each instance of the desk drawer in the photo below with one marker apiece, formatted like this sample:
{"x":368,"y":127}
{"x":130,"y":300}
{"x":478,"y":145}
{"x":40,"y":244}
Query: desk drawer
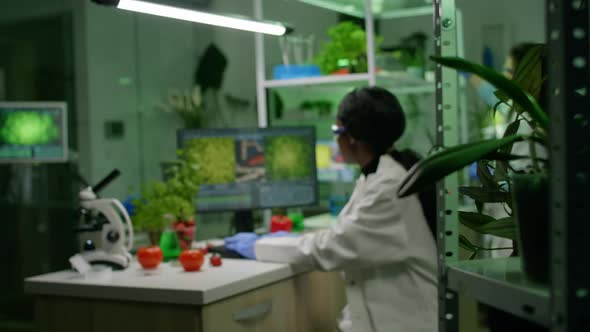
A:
{"x":270,"y":308}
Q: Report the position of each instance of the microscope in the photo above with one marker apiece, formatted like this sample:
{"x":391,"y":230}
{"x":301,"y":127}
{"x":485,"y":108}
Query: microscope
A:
{"x":106,"y":232}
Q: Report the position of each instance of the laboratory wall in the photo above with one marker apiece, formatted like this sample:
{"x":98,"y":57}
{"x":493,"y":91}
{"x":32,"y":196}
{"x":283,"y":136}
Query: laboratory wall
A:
{"x":132,"y":63}
{"x":36,"y":200}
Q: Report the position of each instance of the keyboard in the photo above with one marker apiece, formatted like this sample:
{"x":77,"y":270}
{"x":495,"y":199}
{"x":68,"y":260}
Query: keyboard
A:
{"x":225,"y":253}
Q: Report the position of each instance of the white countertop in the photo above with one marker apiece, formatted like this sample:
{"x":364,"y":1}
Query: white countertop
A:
{"x":169,"y":283}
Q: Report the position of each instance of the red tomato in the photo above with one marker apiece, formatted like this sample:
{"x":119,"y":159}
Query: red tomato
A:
{"x":204,"y":250}
{"x":191,"y":260}
{"x":215,"y":260}
{"x":150,"y":257}
{"x":280,"y":223}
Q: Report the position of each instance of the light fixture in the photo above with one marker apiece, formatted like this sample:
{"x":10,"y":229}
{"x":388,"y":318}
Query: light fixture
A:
{"x":268,"y":27}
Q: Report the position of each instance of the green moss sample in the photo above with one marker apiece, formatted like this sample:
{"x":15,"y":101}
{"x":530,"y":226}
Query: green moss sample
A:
{"x":288,"y":158}
{"x":28,"y":128}
{"x":215,"y":157}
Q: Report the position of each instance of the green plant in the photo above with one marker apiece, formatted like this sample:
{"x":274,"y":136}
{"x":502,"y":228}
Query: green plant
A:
{"x":216,"y":157}
{"x":188,"y":105}
{"x":348,"y":43}
{"x":494,"y":155}
{"x":287,"y":157}
{"x":412,"y":50}
{"x":164,"y":202}
{"x":410,"y":58}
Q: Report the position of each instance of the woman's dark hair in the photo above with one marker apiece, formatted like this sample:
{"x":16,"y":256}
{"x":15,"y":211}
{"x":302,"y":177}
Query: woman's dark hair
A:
{"x":518,"y":52}
{"x":374,"y":115}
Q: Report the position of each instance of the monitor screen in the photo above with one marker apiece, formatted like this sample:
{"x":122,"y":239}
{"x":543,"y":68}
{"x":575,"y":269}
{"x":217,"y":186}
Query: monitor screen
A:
{"x":33,"y":132}
{"x":242,"y":169}
{"x":330,"y":163}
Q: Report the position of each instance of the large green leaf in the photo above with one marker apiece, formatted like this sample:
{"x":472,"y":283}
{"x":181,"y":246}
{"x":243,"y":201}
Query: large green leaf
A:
{"x":504,"y":227}
{"x":512,"y":129}
{"x":485,"y":175}
{"x":502,"y":97}
{"x":510,"y":88}
{"x":435,"y":167}
{"x":485,"y":195}
{"x":466,"y":244}
{"x":474,"y":220}
{"x":496,"y":155}
{"x":501,"y":173}
{"x":485,"y":224}
{"x":479,"y":205}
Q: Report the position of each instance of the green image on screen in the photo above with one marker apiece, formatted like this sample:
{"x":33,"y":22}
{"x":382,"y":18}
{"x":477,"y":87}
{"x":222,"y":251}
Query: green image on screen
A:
{"x":28,"y":128}
{"x":215,"y":157}
{"x":288,"y":158}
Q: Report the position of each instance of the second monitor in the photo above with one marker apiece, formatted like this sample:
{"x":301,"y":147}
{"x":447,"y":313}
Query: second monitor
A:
{"x":242,"y":169}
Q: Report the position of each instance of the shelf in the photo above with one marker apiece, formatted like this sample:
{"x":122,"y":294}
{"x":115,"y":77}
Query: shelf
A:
{"x":400,"y":83}
{"x":397,"y":82}
{"x":309,"y":81}
{"x":500,"y":283}
{"x":381,"y":8}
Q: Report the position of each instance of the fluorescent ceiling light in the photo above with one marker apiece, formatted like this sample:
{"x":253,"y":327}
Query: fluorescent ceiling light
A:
{"x":271,"y":28}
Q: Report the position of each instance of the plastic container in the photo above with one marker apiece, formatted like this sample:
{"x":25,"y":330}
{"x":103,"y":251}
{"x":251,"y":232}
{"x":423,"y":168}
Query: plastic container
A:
{"x":336,"y":203}
{"x":282,"y":72}
{"x":170,"y":245}
{"x":297,"y":218}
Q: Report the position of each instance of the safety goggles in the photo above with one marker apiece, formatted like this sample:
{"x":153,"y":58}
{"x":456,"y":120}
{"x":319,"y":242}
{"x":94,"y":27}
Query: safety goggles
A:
{"x":337,"y":130}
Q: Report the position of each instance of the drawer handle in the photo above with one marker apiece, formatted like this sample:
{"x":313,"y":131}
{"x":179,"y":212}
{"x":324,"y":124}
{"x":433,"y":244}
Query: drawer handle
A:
{"x":254,"y":312}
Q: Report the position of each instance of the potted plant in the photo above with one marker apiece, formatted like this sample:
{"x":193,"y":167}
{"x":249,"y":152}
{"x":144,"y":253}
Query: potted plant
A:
{"x":500,"y":181}
{"x":169,"y":203}
{"x":413,"y":60}
{"x":411,"y":54}
{"x":187,"y":104}
{"x":346,"y":50}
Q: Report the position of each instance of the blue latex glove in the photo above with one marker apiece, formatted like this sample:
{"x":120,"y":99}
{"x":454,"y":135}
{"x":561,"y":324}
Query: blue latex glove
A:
{"x":464,"y":74}
{"x":243,"y":243}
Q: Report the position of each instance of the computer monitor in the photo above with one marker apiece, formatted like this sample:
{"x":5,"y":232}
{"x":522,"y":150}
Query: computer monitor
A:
{"x":33,"y":132}
{"x":253,"y":168}
{"x":330,"y":163}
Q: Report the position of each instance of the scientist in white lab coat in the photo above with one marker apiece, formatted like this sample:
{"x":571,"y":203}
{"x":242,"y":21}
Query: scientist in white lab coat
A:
{"x":382,"y":243}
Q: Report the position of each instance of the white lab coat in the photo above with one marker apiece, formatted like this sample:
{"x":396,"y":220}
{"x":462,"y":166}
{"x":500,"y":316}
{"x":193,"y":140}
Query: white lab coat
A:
{"x":385,"y":248}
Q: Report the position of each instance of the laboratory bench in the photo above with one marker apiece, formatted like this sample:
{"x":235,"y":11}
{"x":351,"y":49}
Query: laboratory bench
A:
{"x":240,"y":295}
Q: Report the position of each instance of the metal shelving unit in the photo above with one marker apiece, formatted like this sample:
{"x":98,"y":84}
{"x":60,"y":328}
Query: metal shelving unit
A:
{"x":319,"y":80}
{"x":500,"y":283}
{"x":262,"y":84}
{"x":401,"y":84}
{"x":569,"y":108}
{"x":383,"y":9}
{"x":447,"y":134}
{"x":367,"y":9}
{"x":563,"y":306}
